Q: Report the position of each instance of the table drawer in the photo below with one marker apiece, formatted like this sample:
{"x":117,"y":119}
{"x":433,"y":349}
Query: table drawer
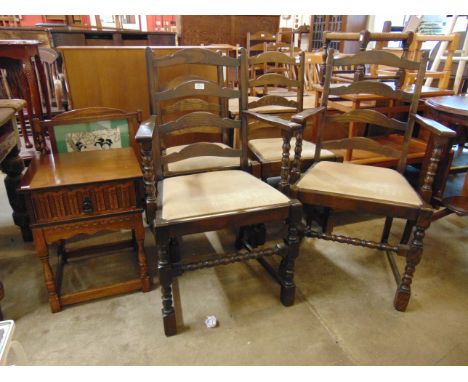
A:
{"x":81,"y":201}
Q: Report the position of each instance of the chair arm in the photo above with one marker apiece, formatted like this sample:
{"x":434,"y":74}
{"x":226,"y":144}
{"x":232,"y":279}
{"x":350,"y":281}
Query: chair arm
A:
{"x":307,"y":113}
{"x":274,"y":121}
{"x":435,"y":127}
{"x":146,"y":130}
{"x":144,"y":137}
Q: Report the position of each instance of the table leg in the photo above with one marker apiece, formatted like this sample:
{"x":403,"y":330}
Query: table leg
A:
{"x":43,"y":253}
{"x":139,"y":232}
{"x":13,"y":166}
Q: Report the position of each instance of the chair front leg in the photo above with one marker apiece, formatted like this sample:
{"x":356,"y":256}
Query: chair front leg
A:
{"x":286,"y":268}
{"x":165,"y":278}
{"x":285,"y":163}
{"x":413,"y":257}
{"x":296,"y":165}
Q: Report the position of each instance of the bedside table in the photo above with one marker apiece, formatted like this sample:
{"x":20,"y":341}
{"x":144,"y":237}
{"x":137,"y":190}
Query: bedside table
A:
{"x":85,"y":193}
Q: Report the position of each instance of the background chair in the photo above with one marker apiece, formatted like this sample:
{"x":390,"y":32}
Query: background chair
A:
{"x":272,"y":151}
{"x":179,"y":205}
{"x":336,"y":186}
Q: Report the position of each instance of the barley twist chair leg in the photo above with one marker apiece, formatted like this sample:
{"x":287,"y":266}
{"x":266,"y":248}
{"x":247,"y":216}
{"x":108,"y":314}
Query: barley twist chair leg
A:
{"x":413,"y":257}
{"x":165,"y":278}
{"x":286,"y":268}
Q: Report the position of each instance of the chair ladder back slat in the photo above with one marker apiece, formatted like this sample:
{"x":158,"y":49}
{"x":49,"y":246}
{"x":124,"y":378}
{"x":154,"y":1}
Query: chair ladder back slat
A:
{"x":197,"y":119}
{"x":273,"y":79}
{"x":368,"y":116}
{"x":370,"y":87}
{"x":202,"y":88}
{"x":272,"y":56}
{"x":201,"y":149}
{"x":377,"y":57}
{"x":361,"y":143}
{"x":273,"y":100}
{"x":195,"y":56}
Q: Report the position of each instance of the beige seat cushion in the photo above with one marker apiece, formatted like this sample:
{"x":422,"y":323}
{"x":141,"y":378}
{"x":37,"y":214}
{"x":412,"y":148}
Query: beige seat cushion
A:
{"x":359,"y":181}
{"x":8,"y":108}
{"x":13,"y":103}
{"x":216,"y":192}
{"x":270,"y":149}
{"x":200,"y":163}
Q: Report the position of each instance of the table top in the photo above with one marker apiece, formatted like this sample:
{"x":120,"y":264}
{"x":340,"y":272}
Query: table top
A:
{"x":56,"y":170}
{"x":455,"y":104}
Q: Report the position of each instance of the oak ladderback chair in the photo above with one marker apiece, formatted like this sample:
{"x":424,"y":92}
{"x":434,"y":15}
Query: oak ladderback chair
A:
{"x":370,"y":189}
{"x":178,"y":205}
{"x":275,"y":153}
{"x":88,"y":129}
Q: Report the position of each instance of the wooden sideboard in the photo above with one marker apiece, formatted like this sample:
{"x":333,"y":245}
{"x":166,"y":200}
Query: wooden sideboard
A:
{"x":55,"y":37}
{"x":230,"y":29}
{"x":116,"y":76}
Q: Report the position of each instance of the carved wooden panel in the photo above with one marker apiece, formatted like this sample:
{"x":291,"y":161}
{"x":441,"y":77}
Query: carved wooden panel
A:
{"x":83,"y":201}
{"x":196,"y":30}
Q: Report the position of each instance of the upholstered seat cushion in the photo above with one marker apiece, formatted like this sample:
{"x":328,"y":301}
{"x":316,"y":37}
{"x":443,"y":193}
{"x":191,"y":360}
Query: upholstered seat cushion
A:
{"x":216,"y":192}
{"x":13,"y":103}
{"x":270,"y":149}
{"x":359,"y":181}
{"x":8,"y":108}
{"x":201,"y":162}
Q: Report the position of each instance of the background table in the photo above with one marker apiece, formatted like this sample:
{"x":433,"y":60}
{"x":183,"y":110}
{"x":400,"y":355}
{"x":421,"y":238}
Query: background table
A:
{"x":453,"y":112}
{"x":85,"y":193}
{"x":21,"y":59}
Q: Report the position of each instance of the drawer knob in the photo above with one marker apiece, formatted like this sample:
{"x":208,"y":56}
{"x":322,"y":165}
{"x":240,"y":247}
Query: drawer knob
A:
{"x":87,"y":205}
